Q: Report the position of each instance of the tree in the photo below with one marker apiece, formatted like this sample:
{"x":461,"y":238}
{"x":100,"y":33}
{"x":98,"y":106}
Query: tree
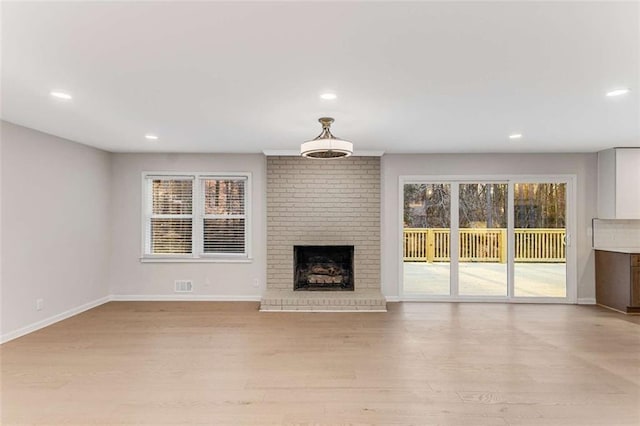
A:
{"x":536,"y":205}
{"x":427,"y":205}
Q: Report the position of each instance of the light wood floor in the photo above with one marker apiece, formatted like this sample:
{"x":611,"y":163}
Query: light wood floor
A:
{"x":422,"y":364}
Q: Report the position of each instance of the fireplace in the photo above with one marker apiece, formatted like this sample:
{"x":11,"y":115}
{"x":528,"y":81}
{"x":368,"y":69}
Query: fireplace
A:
{"x":323,"y":268}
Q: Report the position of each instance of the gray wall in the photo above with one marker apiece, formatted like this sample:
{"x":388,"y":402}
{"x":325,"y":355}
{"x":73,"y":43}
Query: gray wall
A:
{"x":129,"y":277}
{"x":584,"y":166}
{"x":55,"y":219}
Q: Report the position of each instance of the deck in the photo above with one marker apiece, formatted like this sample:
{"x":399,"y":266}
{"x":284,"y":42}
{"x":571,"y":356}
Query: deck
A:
{"x":486,"y":279}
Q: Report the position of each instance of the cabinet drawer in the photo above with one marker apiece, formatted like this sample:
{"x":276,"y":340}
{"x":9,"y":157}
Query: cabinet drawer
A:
{"x":635,"y":260}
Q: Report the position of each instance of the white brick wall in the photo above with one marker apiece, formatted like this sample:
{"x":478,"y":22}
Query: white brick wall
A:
{"x":616,"y":233}
{"x":313,"y":202}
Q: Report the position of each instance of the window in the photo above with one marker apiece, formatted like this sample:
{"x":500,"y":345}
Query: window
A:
{"x":170,"y":225}
{"x":195,"y":216}
{"x":224,"y":218}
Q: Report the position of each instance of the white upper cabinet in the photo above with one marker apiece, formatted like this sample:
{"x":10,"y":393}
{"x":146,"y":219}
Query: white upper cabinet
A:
{"x":619,"y":183}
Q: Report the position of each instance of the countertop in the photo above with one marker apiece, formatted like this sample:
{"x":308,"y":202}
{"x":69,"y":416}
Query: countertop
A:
{"x":630,"y":250}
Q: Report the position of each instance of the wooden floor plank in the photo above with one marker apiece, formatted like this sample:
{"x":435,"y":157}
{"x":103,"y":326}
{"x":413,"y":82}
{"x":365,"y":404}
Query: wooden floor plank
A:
{"x":421,"y":363}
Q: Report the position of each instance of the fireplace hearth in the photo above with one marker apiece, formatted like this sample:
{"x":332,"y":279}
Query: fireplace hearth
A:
{"x":323,"y":268}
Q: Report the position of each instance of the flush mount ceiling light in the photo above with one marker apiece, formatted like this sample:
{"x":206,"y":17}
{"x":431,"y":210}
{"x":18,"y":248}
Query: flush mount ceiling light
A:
{"x":618,"y":92}
{"x":328,"y":96}
{"x":326,"y":146}
{"x":151,"y":137}
{"x":515,"y":136}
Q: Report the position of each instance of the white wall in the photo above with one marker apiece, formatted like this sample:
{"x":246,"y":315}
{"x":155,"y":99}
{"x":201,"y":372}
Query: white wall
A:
{"x":55,"y":217}
{"x":584,"y":166}
{"x":130,"y":278}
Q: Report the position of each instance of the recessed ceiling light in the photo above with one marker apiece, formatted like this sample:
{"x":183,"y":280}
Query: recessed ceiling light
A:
{"x":151,"y":137}
{"x":328,"y":96}
{"x":618,"y":92}
{"x":515,"y":136}
{"x":60,"y":95}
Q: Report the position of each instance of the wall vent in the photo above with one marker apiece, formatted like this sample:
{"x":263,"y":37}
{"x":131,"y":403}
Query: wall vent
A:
{"x":184,"y":286}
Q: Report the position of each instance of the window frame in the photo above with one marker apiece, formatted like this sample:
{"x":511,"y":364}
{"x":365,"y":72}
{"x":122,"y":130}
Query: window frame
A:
{"x":197,"y":237}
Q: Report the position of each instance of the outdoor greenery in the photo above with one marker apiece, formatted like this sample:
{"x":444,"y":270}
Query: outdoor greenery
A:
{"x":536,"y":205}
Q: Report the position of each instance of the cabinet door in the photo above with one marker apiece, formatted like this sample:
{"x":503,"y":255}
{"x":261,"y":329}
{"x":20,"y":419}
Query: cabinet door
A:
{"x":607,"y":184}
{"x":627,"y":178}
{"x":635,"y":286}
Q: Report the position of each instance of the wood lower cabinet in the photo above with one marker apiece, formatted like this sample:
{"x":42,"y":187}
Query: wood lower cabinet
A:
{"x":618,"y":280}
{"x":635,"y":286}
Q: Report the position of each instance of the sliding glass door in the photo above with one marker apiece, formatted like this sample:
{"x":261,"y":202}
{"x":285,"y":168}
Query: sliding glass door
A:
{"x":485,"y":239}
{"x":427,"y":220}
{"x":482,"y":236}
{"x":540,"y":234}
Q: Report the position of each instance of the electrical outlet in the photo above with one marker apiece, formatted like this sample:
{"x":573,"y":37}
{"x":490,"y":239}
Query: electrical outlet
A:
{"x":256,"y":283}
{"x":39,"y":304}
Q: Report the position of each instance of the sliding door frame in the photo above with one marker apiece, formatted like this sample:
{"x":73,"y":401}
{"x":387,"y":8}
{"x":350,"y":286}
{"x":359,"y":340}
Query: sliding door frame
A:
{"x":510,"y":180}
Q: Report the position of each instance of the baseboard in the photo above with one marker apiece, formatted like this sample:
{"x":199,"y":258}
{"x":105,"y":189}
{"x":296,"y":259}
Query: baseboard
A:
{"x":392,"y":298}
{"x":586,"y":301}
{"x":182,"y":298}
{"x":53,"y":319}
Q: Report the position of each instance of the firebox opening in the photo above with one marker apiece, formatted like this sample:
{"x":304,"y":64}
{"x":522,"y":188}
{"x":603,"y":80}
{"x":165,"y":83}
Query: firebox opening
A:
{"x":323,"y":268}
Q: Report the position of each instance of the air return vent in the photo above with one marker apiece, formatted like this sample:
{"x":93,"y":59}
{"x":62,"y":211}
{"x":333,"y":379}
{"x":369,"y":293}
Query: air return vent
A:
{"x":184,"y":286}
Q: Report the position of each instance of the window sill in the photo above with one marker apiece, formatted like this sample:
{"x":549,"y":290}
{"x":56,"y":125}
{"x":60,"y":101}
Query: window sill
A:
{"x":194,"y":260}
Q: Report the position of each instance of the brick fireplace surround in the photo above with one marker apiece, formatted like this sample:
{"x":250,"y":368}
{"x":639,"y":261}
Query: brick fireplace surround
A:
{"x":323,"y":202}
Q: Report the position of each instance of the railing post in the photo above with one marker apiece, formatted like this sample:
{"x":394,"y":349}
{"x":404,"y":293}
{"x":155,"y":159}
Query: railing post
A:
{"x":430,"y":245}
{"x":503,"y":246}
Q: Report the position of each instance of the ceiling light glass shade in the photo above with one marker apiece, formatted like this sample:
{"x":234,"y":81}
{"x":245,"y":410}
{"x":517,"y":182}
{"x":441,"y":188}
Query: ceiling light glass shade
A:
{"x":326,"y":146}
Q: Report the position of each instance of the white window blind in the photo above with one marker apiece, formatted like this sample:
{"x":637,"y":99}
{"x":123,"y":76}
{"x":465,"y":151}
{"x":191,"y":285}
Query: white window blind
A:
{"x":195,"y":216}
{"x":170,"y":215}
{"x":224,"y":220}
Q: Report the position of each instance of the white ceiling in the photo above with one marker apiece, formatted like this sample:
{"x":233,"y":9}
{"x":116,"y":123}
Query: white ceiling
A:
{"x":246,"y":77}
